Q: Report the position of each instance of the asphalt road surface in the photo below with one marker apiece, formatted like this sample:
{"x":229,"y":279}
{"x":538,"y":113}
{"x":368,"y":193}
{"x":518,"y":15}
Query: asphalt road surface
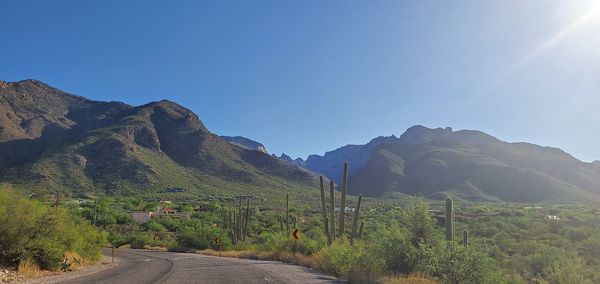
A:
{"x":145,"y":266}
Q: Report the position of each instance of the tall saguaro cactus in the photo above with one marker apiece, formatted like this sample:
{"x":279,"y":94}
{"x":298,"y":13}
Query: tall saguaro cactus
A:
{"x":240,"y":220}
{"x":343,"y":200}
{"x":324,"y":211}
{"x":332,"y":209}
{"x":355,"y":220}
{"x":246,"y":217}
{"x":287,"y":213}
{"x":449,"y":219}
{"x":360,"y":231}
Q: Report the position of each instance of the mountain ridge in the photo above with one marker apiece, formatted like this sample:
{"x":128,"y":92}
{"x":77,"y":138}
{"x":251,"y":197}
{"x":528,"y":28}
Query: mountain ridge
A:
{"x":440,"y":161}
{"x":55,"y":141}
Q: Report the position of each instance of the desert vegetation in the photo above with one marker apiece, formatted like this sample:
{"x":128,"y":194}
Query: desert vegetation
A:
{"x":363,"y":240}
{"x":34,"y":235}
{"x":396,"y":240}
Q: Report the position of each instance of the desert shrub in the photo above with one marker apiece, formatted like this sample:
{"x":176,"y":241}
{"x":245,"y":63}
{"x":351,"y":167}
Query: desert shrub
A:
{"x":198,"y":236}
{"x":354,"y":263}
{"x":590,"y":250}
{"x":394,"y":246}
{"x":140,"y":240}
{"x":30,"y":230}
{"x":280,"y":242}
{"x":460,"y":264}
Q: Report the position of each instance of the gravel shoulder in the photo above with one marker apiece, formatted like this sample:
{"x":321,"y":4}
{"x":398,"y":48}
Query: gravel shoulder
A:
{"x":60,"y":277}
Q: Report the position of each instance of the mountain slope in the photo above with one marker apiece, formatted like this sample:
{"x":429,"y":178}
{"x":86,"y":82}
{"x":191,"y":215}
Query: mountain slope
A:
{"x":470,"y":165}
{"x":81,"y":146}
{"x":245,"y":143}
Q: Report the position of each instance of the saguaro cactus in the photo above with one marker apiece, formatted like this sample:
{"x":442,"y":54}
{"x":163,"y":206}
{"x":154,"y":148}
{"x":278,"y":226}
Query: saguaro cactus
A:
{"x":287,"y":213}
{"x":360,"y":231}
{"x":240,"y":220}
{"x":449,"y":219}
{"x":466,"y":237}
{"x":355,"y":220}
{"x":324,"y":211}
{"x":246,"y":217}
{"x":343,"y":199}
{"x":332,"y":209}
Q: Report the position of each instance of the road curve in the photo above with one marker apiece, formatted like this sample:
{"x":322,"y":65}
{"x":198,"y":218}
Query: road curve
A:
{"x":145,"y":266}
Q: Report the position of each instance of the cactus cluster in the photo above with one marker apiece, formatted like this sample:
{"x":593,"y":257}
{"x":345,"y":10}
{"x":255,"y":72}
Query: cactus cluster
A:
{"x":449,"y":222}
{"x":329,"y":227}
{"x":324,"y":211}
{"x":236,"y":223}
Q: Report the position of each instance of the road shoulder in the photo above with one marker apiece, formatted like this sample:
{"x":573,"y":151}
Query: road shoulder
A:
{"x":105,"y":264}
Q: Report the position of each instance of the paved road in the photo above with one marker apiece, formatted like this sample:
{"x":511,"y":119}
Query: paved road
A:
{"x":145,"y":266}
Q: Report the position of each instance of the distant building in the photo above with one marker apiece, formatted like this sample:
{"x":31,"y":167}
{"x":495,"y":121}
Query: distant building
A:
{"x":553,"y":218}
{"x":141,"y":216}
{"x":172,"y":212}
{"x":346,"y":210}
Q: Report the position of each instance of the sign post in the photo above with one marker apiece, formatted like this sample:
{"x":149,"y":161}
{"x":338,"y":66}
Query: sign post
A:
{"x":219,"y":243}
{"x":295,"y":234}
{"x":113,"y":254}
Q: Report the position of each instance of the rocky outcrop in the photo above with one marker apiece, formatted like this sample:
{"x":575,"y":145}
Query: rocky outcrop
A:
{"x":246,"y":143}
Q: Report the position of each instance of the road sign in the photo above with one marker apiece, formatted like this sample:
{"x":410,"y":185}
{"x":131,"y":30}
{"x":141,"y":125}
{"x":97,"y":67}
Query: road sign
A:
{"x":295,"y":234}
{"x":219,"y":244}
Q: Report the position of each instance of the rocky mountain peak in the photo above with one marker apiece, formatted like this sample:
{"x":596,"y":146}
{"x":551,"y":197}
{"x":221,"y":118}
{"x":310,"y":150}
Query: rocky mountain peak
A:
{"x":245,"y":143}
{"x":420,"y":134}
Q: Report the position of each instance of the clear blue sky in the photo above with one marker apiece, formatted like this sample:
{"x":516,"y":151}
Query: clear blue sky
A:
{"x":307,"y":76}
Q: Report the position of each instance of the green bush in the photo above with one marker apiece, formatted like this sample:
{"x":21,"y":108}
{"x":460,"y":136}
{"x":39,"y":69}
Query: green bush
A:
{"x":199,"y":236}
{"x":354,"y":263}
{"x":460,"y":264}
{"x":279,"y":242}
{"x":31,"y":230}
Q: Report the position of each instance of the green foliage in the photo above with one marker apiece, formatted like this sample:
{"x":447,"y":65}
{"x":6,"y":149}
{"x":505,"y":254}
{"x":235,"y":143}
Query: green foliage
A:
{"x":200,"y":236}
{"x":460,"y":264}
{"x":279,"y":242}
{"x":31,"y":230}
{"x":356,"y":263}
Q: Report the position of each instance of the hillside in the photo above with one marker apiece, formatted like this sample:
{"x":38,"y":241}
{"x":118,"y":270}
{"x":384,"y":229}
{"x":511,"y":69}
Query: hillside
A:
{"x":51,"y":141}
{"x":467,"y":164}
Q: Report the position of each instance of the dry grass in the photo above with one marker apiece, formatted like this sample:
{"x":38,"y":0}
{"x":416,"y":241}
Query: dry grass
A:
{"x":315,"y":261}
{"x":299,"y":259}
{"x":410,"y":279}
{"x":75,"y":260}
{"x":28,"y":268}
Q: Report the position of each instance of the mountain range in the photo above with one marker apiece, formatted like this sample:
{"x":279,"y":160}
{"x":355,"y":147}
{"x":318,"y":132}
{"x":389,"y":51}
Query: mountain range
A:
{"x":53,"y":141}
{"x":466,"y":164}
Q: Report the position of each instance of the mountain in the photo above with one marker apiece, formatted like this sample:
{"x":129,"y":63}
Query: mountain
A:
{"x":246,"y":143}
{"x":358,"y":155}
{"x":298,"y":162}
{"x":52,"y":141}
{"x":466,"y":164}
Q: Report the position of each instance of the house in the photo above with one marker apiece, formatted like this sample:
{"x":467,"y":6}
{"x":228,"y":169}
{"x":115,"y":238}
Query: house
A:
{"x":141,"y":216}
{"x":172,"y":212}
{"x":346,"y":210}
{"x":553,"y":218}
